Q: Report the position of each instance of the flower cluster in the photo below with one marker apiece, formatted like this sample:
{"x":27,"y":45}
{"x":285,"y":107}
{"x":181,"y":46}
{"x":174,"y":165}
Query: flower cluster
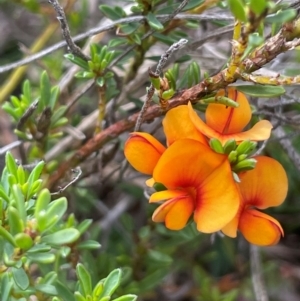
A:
{"x":206,"y":171}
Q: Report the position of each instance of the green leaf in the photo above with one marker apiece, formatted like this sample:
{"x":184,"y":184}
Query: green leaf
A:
{"x":159,"y":257}
{"x":153,"y":22}
{"x":27,"y":90}
{"x":39,"y":248}
{"x":20,"y":277}
{"x":126,"y":298}
{"x":84,"y":225}
{"x":193,"y":4}
{"x":84,"y":279}
{"x":42,"y":202}
{"x":111,"y":283}
{"x":7,"y":236}
{"x":20,"y":202}
{"x":264,"y":91}
{"x":63,"y":291}
{"x":112,"y":12}
{"x":258,"y":6}
{"x":79,"y":297}
{"x":77,"y":60}
{"x":61,"y":237}
{"x":6,"y":286}
{"x":54,"y":97}
{"x":16,"y":224}
{"x":46,"y":289}
{"x":45,"y":258}
{"x":45,"y":90}
{"x":282,"y":16}
{"x":237,"y":8}
{"x":34,"y":176}
{"x":11,"y":165}
{"x":88,"y":245}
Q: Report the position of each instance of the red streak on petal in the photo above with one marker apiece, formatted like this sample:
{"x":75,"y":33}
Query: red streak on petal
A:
{"x":227,"y":124}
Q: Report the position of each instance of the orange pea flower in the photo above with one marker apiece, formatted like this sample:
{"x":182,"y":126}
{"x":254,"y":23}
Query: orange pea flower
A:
{"x":143,"y":151}
{"x":226,"y":123}
{"x":199,"y":182}
{"x":264,"y":186}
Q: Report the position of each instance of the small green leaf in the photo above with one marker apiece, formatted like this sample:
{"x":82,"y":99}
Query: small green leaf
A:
{"x":16,"y":224}
{"x":64,"y":292}
{"x":27,"y":90}
{"x":46,"y":289}
{"x":45,"y":258}
{"x":7,"y":236}
{"x":61,"y":237}
{"x":281,"y":17}
{"x":11,"y":165}
{"x":88,"y":245}
{"x":265,"y":91}
{"x":193,"y":4}
{"x":20,"y":202}
{"x":34,"y":176}
{"x":79,"y":297}
{"x":77,"y":60}
{"x":112,"y":12}
{"x":126,"y":298}
{"x":153,"y":22}
{"x":45,"y":90}
{"x":42,"y":202}
{"x":100,"y":81}
{"x":84,"y":225}
{"x":237,"y":8}
{"x":6,"y":286}
{"x":111,"y":283}
{"x":20,"y":277}
{"x":54,"y":97}
{"x":39,"y":248}
{"x":258,"y":6}
{"x":84,"y":279}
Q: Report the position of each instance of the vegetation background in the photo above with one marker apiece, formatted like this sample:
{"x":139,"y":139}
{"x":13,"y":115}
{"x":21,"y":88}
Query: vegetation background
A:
{"x":90,"y":115}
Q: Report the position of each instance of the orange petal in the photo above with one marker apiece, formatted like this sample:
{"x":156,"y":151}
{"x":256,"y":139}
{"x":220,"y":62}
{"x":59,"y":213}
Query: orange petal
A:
{"x":174,"y":212}
{"x":217,"y":200}
{"x":165,"y":195}
{"x":231,"y":228}
{"x":177,"y":125}
{"x":264,"y":186}
{"x":143,"y":151}
{"x":228,"y":120}
{"x":260,"y":131}
{"x":259,"y":228}
{"x":186,"y":163}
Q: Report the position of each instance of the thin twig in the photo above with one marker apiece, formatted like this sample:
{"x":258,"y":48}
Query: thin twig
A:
{"x":6,"y":148}
{"x":61,"y":17}
{"x":256,"y":275}
{"x":99,"y":29}
{"x":164,"y":58}
{"x":78,"y":173}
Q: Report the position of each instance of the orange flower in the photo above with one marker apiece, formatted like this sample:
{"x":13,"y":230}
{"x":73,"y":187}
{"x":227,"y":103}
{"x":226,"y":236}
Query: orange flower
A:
{"x":143,"y":151}
{"x":198,"y":181}
{"x":264,"y":186}
{"x":226,"y":123}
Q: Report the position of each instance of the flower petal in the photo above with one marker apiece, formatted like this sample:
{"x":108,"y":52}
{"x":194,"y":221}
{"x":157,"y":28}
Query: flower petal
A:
{"x":166,"y":194}
{"x":259,"y":228}
{"x":143,"y":151}
{"x":174,"y":212}
{"x":177,"y":125}
{"x":260,"y":131}
{"x":228,"y":120}
{"x":186,"y":163}
{"x":217,"y":200}
{"x":231,"y":228}
{"x":264,"y":186}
